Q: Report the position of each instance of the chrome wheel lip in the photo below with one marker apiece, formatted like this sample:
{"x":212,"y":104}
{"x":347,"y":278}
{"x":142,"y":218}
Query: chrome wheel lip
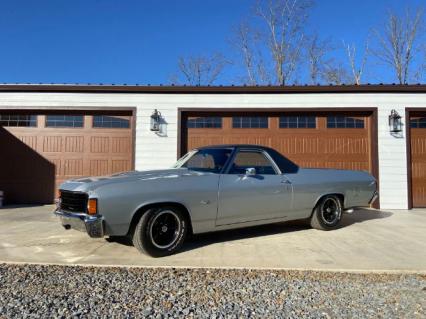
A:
{"x":336,"y":211}
{"x":176,"y":232}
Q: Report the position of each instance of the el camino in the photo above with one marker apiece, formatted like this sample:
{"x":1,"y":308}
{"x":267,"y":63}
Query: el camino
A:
{"x":210,"y":189}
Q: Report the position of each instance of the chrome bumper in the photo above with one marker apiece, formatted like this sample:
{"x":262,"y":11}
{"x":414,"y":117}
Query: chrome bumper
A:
{"x":92,"y":225}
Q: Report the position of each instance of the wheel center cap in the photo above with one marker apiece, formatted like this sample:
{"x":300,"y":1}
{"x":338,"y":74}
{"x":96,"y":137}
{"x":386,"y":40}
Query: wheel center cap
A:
{"x":164,"y":228}
{"x":328,"y":210}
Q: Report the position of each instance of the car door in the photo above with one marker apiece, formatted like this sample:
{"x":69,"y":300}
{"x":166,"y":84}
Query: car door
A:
{"x":264,"y":195}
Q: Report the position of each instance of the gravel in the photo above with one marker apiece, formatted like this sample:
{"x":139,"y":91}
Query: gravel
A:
{"x":36,"y":291}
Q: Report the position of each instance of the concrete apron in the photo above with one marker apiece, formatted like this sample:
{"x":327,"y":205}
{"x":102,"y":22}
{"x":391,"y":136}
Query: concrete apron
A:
{"x":368,"y":241}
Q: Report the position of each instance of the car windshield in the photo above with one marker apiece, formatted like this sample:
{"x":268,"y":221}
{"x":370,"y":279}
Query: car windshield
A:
{"x":205,"y":160}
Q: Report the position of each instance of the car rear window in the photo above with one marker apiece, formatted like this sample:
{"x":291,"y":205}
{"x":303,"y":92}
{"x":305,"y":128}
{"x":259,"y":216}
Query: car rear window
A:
{"x":251,"y":159}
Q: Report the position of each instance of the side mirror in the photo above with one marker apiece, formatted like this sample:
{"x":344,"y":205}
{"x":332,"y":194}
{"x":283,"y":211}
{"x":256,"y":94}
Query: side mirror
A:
{"x":251,"y":171}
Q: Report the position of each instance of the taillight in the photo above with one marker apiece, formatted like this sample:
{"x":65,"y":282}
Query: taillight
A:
{"x":92,"y":206}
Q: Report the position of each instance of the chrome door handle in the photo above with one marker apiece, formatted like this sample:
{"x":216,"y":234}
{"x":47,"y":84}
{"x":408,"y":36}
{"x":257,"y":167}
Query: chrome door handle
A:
{"x":285,"y":181}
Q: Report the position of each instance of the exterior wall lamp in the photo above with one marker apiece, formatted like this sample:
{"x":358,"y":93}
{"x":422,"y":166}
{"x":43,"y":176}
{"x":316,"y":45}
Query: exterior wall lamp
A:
{"x":155,"y":121}
{"x":395,"y":124}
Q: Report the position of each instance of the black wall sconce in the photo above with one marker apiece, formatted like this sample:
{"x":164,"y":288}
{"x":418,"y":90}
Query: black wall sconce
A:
{"x":155,"y":121}
{"x":395,"y":124}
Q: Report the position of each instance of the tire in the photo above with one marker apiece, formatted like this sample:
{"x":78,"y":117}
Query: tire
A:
{"x":327,"y":213}
{"x":161,"y":231}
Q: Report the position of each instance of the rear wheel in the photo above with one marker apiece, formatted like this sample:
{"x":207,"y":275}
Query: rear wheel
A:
{"x":328,"y":213}
{"x":161,"y":231}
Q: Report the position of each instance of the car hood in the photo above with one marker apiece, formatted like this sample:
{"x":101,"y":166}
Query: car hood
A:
{"x":91,"y":183}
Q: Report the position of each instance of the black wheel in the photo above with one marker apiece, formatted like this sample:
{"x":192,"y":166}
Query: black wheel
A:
{"x":161,"y":231}
{"x":327,"y":214}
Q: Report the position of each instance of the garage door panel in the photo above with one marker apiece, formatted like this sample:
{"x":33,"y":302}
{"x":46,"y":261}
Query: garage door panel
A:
{"x":99,"y":167}
{"x":345,"y":145}
{"x":297,"y":145}
{"x":348,"y":164}
{"x":99,"y":144}
{"x":419,"y":194}
{"x":58,"y":163}
{"x":305,"y":163}
{"x":418,"y":143}
{"x":418,"y":160}
{"x":73,"y":167}
{"x":73,"y":144}
{"x":265,"y":141}
{"x":65,"y":153}
{"x":30,"y":141}
{"x":315,"y":146}
{"x":119,"y":165}
{"x":52,"y":143}
{"x":419,"y":170}
{"x":120,"y":145}
{"x":205,"y":140}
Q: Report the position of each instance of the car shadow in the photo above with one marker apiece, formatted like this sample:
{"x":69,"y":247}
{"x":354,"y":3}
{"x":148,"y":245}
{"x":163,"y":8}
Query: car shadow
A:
{"x":201,"y":240}
{"x":123,"y":240}
{"x":198,"y":241}
{"x":363,"y":215}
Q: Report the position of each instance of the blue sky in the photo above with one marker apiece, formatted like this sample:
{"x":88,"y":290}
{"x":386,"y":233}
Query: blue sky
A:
{"x":104,"y":41}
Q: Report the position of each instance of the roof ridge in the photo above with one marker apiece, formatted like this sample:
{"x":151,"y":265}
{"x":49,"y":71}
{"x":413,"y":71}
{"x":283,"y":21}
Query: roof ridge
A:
{"x":137,"y":88}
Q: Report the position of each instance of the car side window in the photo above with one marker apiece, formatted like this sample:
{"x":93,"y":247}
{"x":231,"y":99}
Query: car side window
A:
{"x":252,"y":159}
{"x":212,"y":160}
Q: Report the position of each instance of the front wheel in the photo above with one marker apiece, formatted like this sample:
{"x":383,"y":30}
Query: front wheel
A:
{"x":327,"y":214}
{"x":161,"y":231}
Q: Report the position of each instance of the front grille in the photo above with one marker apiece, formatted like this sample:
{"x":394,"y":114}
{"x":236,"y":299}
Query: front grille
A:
{"x":73,"y":201}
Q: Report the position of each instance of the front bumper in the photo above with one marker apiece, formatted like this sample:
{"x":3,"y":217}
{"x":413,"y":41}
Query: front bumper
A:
{"x":92,"y":225}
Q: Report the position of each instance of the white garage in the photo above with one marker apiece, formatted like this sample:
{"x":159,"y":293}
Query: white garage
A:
{"x":294,"y":115}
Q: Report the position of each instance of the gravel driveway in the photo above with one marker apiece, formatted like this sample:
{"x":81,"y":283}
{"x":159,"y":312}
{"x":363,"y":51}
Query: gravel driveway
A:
{"x":67,"y":291}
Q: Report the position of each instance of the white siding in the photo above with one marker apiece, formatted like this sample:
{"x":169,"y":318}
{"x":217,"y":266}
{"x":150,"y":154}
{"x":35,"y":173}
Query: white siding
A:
{"x":392,"y":162}
{"x":153,"y":151}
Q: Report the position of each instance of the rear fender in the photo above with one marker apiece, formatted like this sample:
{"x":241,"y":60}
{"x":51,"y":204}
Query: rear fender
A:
{"x":339,"y":195}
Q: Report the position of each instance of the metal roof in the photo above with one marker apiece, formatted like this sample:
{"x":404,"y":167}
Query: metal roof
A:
{"x":230,"y":89}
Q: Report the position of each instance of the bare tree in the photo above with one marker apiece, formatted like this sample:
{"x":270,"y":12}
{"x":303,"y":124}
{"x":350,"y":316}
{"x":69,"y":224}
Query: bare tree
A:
{"x":284,"y":34}
{"x":335,"y":73}
{"x":271,"y":45}
{"x":245,"y":40}
{"x":317,"y":51}
{"x":200,"y":70}
{"x":397,"y":43}
{"x":357,"y":69}
{"x":422,"y":70}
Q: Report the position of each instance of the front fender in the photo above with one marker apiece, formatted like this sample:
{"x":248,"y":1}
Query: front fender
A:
{"x":143,"y":207}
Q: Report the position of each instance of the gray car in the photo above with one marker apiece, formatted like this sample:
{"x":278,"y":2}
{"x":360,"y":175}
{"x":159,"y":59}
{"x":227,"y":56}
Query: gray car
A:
{"x":210,"y":189}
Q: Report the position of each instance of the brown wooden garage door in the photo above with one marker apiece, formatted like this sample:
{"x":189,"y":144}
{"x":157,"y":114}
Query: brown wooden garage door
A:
{"x":41,"y":150}
{"x":312,"y":139}
{"x":418,"y":158}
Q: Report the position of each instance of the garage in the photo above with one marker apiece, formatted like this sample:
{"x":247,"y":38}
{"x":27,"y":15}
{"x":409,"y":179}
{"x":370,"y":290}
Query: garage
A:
{"x":311,"y":138}
{"x":417,"y":157}
{"x":43,"y":148}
